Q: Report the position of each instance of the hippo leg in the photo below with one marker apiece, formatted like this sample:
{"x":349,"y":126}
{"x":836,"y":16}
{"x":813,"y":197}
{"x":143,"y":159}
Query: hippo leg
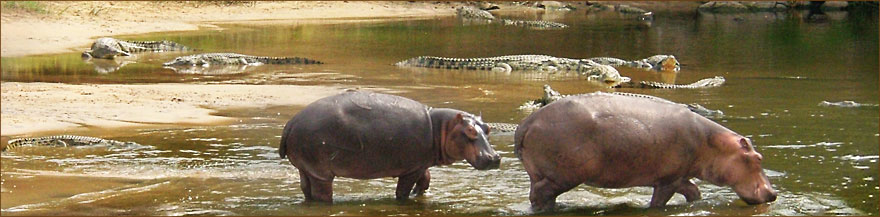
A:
{"x":662,"y":194}
{"x":405,"y":183}
{"x":322,"y":190}
{"x":543,"y":193}
{"x":305,"y":185}
{"x":422,"y":184}
{"x":689,"y":190}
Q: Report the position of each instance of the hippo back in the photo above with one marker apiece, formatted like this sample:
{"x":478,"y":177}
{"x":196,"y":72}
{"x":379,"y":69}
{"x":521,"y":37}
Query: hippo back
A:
{"x":355,"y":128}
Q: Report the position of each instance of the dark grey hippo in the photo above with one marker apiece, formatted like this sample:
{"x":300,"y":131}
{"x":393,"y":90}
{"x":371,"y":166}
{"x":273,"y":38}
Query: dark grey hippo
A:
{"x":613,"y":141}
{"x":367,"y":135}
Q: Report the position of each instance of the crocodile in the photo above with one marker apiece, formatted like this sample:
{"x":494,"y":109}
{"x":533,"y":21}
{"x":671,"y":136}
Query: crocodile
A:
{"x":64,"y":141}
{"x":702,"y":83}
{"x":666,"y":63}
{"x":543,"y":63}
{"x":109,"y":48}
{"x":208,"y":59}
{"x":846,"y":104}
{"x":551,"y":95}
{"x":475,"y":14}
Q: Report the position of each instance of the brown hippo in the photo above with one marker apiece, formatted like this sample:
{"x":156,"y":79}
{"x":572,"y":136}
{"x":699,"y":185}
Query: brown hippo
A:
{"x":366,"y":135}
{"x":613,"y":141}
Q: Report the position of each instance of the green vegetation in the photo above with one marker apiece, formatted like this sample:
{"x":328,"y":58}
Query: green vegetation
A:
{"x":29,"y":6}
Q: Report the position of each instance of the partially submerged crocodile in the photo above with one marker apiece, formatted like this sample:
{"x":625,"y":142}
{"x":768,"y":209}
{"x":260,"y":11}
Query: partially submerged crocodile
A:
{"x":666,"y":63}
{"x":109,"y":48}
{"x":64,"y":141}
{"x":846,"y":104}
{"x":594,"y":71}
{"x":702,"y":83}
{"x":208,"y":59}
{"x":551,"y":95}
{"x":476,"y":14}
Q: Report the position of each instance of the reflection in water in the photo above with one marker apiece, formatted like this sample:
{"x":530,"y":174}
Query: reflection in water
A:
{"x":211,"y":70}
{"x":104,"y":66}
{"x":777,"y":68}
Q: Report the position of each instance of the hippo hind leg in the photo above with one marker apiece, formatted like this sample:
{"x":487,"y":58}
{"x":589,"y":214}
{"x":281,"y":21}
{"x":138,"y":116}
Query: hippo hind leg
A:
{"x":405,"y":183}
{"x":422,"y":184}
{"x":305,"y":185}
{"x":544,"y":191}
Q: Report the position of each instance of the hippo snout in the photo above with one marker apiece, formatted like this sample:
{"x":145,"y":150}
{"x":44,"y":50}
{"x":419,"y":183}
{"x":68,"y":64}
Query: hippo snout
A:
{"x":489,"y":162}
{"x":763,"y":195}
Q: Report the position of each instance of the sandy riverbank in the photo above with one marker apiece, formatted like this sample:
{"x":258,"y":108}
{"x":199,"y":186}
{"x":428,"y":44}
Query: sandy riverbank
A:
{"x":29,"y":108}
{"x":34,"y":107}
{"x":72,"y":26}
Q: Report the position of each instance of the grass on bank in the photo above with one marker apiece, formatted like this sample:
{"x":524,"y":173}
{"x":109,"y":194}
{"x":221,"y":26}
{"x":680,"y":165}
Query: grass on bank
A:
{"x":28,"y":6}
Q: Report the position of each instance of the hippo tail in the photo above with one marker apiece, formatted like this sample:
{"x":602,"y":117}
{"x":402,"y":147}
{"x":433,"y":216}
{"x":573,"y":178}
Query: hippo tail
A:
{"x":282,"y":149}
{"x":518,"y":138}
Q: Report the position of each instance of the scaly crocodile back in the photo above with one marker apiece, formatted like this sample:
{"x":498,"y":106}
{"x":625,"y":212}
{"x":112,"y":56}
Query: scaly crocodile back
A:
{"x":152,"y":46}
{"x":62,"y":140}
{"x":502,"y":127}
{"x":535,"y":24}
{"x":704,"y":83}
{"x":287,"y":60}
{"x":235,"y":59}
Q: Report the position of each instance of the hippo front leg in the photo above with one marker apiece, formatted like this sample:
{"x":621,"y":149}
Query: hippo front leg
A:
{"x":663,"y":193}
{"x":405,"y":183}
{"x":422,"y":184}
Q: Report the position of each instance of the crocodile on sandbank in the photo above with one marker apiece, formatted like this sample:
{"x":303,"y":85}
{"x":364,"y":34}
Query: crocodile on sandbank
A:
{"x":109,"y":48}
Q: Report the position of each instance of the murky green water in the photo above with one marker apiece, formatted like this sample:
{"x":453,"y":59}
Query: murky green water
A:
{"x":822,"y":160}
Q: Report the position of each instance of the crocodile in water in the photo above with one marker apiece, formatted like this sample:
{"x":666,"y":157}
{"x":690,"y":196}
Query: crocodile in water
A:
{"x":475,"y":14}
{"x":594,"y":71}
{"x":201,"y":63}
{"x":846,"y":104}
{"x":551,"y":95}
{"x":64,"y":141}
{"x":109,"y":48}
{"x":666,"y":63}
{"x":703,"y":83}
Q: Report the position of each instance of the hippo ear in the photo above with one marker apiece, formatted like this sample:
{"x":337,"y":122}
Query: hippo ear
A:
{"x":745,"y":144}
{"x":458,"y":118}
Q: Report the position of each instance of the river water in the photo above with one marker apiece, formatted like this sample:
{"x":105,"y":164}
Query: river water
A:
{"x":778,"y":66}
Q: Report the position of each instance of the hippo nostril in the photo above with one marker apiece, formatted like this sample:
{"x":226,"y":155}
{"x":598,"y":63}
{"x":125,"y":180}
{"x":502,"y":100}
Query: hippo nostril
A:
{"x":772,"y":197}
